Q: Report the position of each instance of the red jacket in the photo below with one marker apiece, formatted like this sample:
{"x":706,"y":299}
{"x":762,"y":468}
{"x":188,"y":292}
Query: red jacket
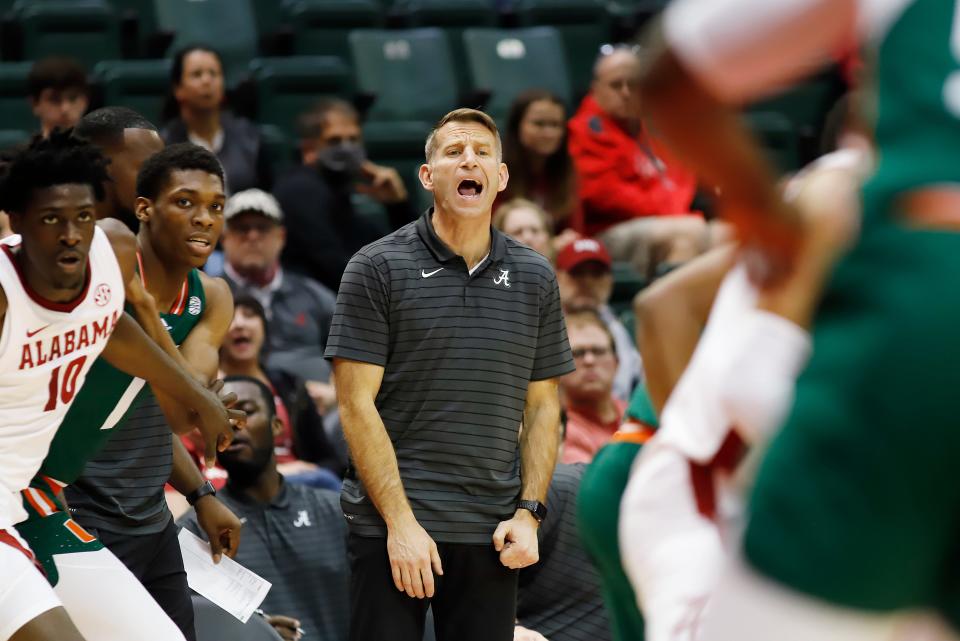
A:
{"x":622,"y":177}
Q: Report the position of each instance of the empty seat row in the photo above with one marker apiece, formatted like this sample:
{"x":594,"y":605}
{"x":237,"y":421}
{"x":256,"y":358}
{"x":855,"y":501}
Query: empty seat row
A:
{"x":93,"y":30}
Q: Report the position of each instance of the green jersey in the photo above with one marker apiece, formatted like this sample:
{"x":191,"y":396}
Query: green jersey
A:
{"x":108,"y":395}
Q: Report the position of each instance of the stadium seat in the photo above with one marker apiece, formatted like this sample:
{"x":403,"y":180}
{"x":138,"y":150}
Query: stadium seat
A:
{"x":228,"y":26}
{"x":141,"y":85}
{"x":286,"y":87}
{"x":14,"y":97}
{"x":626,"y":283}
{"x":583,"y":25}
{"x":507,"y":62}
{"x":87,"y":30}
{"x":281,"y":149}
{"x":408,"y":73}
{"x":321,"y":27}
{"x":453,"y":16}
{"x":12,"y":137}
{"x":138,"y":22}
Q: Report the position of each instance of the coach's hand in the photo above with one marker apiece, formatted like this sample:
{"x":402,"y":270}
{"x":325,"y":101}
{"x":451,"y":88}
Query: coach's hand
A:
{"x":516,"y":540}
{"x":413,"y":558}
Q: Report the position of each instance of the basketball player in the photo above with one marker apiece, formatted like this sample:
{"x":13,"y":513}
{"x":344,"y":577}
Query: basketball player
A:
{"x":62,"y":306}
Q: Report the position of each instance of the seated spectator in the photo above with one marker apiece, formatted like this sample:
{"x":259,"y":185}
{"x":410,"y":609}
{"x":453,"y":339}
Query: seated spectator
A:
{"x":593,"y":413}
{"x":535,"y":150}
{"x":635,"y":198}
{"x":293,"y":536}
{"x":59,"y":94}
{"x":560,"y":597}
{"x":317,"y":196}
{"x":527,"y":222}
{"x":310,"y":426}
{"x":299,"y":308}
{"x":586,"y":282}
{"x":196,"y":107}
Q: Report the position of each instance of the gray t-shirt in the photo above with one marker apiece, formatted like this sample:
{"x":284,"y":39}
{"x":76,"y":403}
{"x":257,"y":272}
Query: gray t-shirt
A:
{"x":560,"y":596}
{"x":121,"y":489}
{"x":458,"y":351}
{"x":298,"y":542}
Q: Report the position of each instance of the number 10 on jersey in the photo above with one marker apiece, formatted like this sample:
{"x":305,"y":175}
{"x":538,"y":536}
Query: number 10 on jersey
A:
{"x":66,"y":389}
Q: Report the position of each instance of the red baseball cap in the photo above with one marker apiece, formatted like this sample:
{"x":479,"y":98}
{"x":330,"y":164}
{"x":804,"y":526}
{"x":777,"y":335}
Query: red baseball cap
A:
{"x":582,"y":251}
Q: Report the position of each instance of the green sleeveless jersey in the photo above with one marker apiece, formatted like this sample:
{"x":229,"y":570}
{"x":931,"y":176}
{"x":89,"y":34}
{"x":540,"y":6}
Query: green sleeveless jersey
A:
{"x":916,"y":103}
{"x":108,"y":394}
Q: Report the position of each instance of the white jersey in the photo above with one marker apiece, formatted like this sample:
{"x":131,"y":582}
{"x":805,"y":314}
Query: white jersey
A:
{"x":741,"y":59}
{"x":46,"y":350}
{"x":695,"y":420}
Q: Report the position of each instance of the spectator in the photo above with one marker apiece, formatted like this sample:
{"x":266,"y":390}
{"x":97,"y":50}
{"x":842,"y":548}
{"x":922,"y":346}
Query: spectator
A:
{"x":635,"y":198}
{"x":59,"y":93}
{"x":304,"y":435}
{"x":197,"y":101}
{"x":593,"y":413}
{"x":586,"y":282}
{"x":535,"y":150}
{"x":527,"y":222}
{"x":317,"y":196}
{"x":560,"y":597}
{"x":299,"y":308}
{"x":293,"y":536}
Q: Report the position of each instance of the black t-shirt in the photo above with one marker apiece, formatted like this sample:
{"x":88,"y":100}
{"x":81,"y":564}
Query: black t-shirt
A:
{"x":458,"y":352}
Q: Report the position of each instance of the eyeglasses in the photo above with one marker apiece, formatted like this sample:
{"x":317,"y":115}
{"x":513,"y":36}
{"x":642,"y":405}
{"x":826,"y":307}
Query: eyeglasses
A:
{"x":597,"y":352}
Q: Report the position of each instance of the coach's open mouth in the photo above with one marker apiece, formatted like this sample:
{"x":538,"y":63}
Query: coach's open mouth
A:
{"x":469,"y":188}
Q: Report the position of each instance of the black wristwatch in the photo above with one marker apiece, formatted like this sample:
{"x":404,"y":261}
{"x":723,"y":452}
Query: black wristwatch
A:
{"x":538,"y":509}
{"x":200,"y":492}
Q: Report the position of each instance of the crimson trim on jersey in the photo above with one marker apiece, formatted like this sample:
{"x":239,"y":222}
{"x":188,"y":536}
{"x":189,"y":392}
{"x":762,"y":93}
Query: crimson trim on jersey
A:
{"x":8,"y":539}
{"x":40,"y":300}
{"x":180,"y":304}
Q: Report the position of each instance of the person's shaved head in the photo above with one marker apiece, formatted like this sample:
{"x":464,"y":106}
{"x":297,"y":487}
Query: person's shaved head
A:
{"x":615,"y":82}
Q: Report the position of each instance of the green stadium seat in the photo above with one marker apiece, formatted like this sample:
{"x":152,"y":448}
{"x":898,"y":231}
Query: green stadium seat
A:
{"x":408,"y":73}
{"x":453,"y":16}
{"x":138,"y":21}
{"x":15,"y":98}
{"x":583,"y":25}
{"x":87,"y":30}
{"x":287,"y":87}
{"x":281,"y":149}
{"x":321,"y":27}
{"x":507,"y":62}
{"x":229,"y":26}
{"x":12,"y":137}
{"x":141,"y":85}
{"x":626,"y":283}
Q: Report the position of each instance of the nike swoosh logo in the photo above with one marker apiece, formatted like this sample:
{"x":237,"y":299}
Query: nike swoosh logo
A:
{"x":427,"y":274}
{"x":36,"y":331}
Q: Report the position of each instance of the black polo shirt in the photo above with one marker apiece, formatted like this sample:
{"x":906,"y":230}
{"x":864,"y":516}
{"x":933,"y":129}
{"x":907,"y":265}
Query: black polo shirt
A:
{"x":298,"y":542}
{"x":458,"y":352}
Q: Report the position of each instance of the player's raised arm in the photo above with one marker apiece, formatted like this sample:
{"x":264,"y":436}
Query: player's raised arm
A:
{"x":131,"y":351}
{"x":703,"y":61}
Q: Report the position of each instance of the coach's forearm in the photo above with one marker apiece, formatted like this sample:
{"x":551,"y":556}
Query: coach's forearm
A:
{"x":539,"y":440}
{"x":374,"y":458}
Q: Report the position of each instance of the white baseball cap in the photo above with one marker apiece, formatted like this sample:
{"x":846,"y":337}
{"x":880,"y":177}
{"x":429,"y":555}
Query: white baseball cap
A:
{"x":253,"y":200}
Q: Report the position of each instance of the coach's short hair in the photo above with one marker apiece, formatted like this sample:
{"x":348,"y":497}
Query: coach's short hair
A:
{"x":463,"y":115}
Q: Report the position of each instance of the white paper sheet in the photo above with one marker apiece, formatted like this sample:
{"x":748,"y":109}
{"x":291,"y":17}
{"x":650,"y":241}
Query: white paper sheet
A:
{"x":228,"y":584}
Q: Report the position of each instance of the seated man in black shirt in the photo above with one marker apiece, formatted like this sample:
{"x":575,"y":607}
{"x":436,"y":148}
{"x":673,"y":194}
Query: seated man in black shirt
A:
{"x":293,"y":536}
{"x":317,"y":197}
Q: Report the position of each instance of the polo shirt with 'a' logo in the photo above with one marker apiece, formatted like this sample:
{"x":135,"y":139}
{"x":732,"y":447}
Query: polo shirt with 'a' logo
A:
{"x":459,"y":349}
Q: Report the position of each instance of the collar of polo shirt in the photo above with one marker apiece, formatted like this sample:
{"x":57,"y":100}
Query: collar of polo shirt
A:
{"x":443,"y":254}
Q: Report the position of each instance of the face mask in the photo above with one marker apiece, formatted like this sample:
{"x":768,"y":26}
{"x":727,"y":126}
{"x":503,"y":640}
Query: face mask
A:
{"x":344,"y":159}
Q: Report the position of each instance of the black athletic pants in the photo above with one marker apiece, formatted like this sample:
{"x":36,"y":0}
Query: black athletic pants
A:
{"x":474,"y":600}
{"x":156,"y":561}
